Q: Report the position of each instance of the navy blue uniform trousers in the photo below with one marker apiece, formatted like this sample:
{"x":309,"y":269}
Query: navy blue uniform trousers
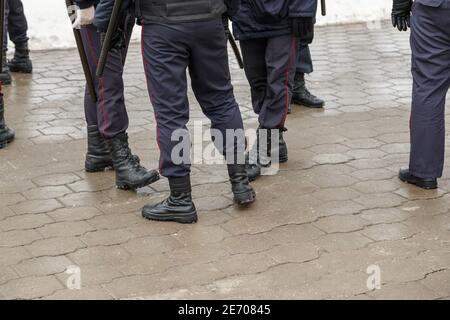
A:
{"x":109,"y":113}
{"x":168,"y":51}
{"x":430,"y":44}
{"x":269,"y":65}
{"x":304,"y":61}
{"x":16,"y":22}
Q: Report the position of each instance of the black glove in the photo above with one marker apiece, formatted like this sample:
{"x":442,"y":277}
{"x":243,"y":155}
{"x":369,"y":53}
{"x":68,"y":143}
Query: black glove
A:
{"x":401,"y":14}
{"x":302,"y":27}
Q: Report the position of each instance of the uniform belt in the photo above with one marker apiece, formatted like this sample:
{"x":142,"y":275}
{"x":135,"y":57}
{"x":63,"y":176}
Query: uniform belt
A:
{"x":149,"y":9}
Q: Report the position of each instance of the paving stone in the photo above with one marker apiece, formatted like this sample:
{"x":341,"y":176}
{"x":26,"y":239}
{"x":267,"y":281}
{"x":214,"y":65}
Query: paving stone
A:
{"x":65,"y":229}
{"x":381,"y":200}
{"x":342,"y":241}
{"x":30,"y":287}
{"x":377,"y":186}
{"x":146,"y":245}
{"x":391,"y":231}
{"x":331,"y":158}
{"x":404,"y":291}
{"x":92,"y":293}
{"x":11,"y":256}
{"x":384,"y":215}
{"x":56,"y":179}
{"x":43,"y":266}
{"x":9,"y":199}
{"x":344,"y":223}
{"x":106,"y":237}
{"x":439,"y":282}
{"x":46,"y":192}
{"x":36,"y":206}
{"x":25,"y":221}
{"x":7,"y":274}
{"x":102,"y":255}
{"x":334,"y":209}
{"x":296,"y":253}
{"x":74,"y":214}
{"x":54,"y":246}
{"x":17,"y":238}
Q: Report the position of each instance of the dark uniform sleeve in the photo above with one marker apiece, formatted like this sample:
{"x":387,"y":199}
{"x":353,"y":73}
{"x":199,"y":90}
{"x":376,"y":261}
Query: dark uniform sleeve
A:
{"x":103,"y":14}
{"x":84,"y":4}
{"x":302,"y":8}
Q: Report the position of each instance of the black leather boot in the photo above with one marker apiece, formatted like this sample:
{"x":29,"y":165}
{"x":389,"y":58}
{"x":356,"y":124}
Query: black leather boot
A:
{"x":302,"y":96}
{"x":21,"y":61}
{"x":406,"y":176}
{"x":6,"y":134}
{"x":98,"y":156}
{"x":129,"y":173}
{"x":243,"y":193}
{"x":5,"y":76}
{"x":257,"y":158}
{"x":178,"y":207}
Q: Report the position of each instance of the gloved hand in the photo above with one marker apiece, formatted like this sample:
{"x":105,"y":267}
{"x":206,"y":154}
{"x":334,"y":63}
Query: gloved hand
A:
{"x":401,"y":14}
{"x":84,"y":17}
{"x":302,"y":27}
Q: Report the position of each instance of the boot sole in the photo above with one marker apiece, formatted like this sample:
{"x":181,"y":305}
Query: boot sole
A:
{"x":283,"y":159}
{"x":245,"y":198}
{"x":21,"y":71}
{"x":5,"y":142}
{"x":300,"y":103}
{"x":129,"y":186}
{"x":423,"y":185}
{"x":91,"y":168}
{"x":185,"y":218}
{"x":26,"y":71}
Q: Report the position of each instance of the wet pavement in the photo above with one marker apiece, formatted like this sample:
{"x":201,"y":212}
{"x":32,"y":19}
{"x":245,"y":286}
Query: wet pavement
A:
{"x":334,"y":221}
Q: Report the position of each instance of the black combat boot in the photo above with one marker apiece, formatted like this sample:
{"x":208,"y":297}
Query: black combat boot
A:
{"x":178,"y":207}
{"x":21,"y":61}
{"x":256,"y":159}
{"x":302,"y":96}
{"x":129,"y":173}
{"x":427,"y":184}
{"x":6,"y":134}
{"x":98,"y":156}
{"x":243,"y":193}
{"x":5,"y":76}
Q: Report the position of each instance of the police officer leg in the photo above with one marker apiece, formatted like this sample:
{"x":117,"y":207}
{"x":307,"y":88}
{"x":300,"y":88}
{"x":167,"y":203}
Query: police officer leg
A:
{"x":211,"y":83}
{"x":254,"y":57}
{"x":301,"y":95}
{"x":281,"y":71}
{"x":430,"y":31}
{"x":166,"y":57}
{"x":98,"y":156}
{"x":17,"y":29}
{"x":6,"y":134}
{"x":5,"y":76}
{"x":112,"y":118}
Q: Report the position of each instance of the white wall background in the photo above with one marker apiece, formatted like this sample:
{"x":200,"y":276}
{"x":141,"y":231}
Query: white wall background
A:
{"x":49,"y":26}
